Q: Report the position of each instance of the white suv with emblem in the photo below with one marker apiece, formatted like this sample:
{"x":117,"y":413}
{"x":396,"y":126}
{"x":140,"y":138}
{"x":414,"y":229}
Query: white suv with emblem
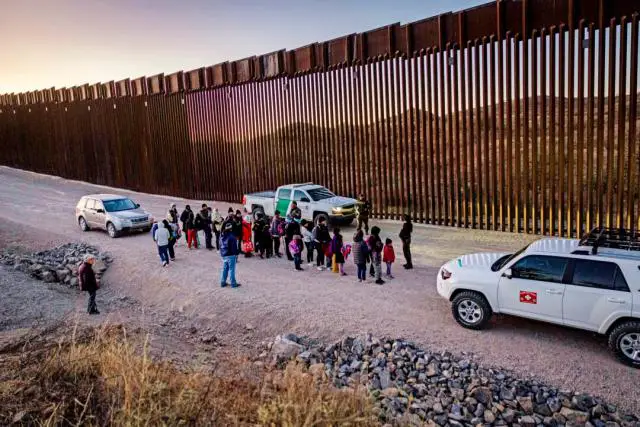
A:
{"x":591,"y":284}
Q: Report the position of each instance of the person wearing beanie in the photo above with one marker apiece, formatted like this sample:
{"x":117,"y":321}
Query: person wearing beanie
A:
{"x":405,"y":237}
{"x":375,"y":247}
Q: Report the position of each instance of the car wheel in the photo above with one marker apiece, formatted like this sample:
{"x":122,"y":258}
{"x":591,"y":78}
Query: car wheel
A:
{"x":317,"y":216}
{"x":257,"y":211}
{"x":111,"y":229}
{"x":83,"y":224}
{"x":471,"y":310}
{"x":624,"y":341}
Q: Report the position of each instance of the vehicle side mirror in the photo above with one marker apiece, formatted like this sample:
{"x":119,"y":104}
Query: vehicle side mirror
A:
{"x":508,"y":273}
{"x":137,"y":205}
{"x":305,"y":199}
{"x":100,"y":210}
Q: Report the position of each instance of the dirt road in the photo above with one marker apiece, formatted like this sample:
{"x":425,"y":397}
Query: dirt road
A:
{"x":38,"y":211}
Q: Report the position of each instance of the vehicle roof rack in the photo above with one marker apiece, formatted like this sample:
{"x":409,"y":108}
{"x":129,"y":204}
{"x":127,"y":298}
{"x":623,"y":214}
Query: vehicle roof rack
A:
{"x":612,"y":238}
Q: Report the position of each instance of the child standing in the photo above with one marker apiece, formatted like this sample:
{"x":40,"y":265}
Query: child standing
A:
{"x":336,"y":250}
{"x":388,"y":256}
{"x":295,"y":248}
{"x":360,"y":251}
{"x":277,"y":230}
{"x":307,"y":238}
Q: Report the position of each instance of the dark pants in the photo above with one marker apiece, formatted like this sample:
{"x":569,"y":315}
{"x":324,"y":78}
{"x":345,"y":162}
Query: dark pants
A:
{"x":184,"y":230}
{"x":362,"y":271}
{"x":372,"y":271}
{"x":217,"y":233}
{"x":406,"y":250}
{"x":309,"y":246}
{"x":276,"y":245}
{"x":172,"y":253}
{"x":92,"y":307}
{"x":297,"y":260}
{"x":287,"y":240}
{"x":320,"y":257}
{"x":208,"y":235}
{"x":363,"y":220}
{"x":163,"y":251}
{"x":239,"y":238}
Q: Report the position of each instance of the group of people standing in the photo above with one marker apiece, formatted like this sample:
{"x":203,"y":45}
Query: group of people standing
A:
{"x":241,"y":233}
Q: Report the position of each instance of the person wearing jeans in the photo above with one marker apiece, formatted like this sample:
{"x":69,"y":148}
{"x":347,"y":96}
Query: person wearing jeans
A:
{"x":229,"y":251}
{"x":360,"y":251}
{"x":162,"y":237}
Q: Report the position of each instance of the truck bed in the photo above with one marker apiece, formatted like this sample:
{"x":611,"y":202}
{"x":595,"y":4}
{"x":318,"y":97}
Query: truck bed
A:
{"x":263,"y":194}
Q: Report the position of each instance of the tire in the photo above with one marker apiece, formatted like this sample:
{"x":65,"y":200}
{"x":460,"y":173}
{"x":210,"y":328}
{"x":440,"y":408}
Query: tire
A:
{"x":624,"y":342}
{"x":112,"y":231}
{"x":477,"y":309}
{"x":256,"y":211}
{"x":318,"y":215}
{"x":83,"y":224}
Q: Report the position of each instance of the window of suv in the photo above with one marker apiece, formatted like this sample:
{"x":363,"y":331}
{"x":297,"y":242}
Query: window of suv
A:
{"x":298,"y":195}
{"x":540,"y":267}
{"x":598,"y":274}
{"x":118,"y":205}
{"x":91,"y":204}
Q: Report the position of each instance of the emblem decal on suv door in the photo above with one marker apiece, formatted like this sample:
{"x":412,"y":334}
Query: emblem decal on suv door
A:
{"x":527,"y":297}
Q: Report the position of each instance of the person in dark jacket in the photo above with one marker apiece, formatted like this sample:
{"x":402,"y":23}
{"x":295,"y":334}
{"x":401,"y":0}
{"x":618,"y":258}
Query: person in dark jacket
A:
{"x":360,"y":251}
{"x":277,"y":230}
{"x":237,"y":228}
{"x":204,"y":222}
{"x":172,"y":214}
{"x":266,"y":241}
{"x":363,"y":207}
{"x":184,"y":216}
{"x":405,"y":237}
{"x":336,"y":250}
{"x":229,"y":252}
{"x":322,"y":238}
{"x":88,"y":282}
{"x":258,"y":231}
{"x":292,"y":228}
{"x":294,"y":210}
{"x":375,"y":247}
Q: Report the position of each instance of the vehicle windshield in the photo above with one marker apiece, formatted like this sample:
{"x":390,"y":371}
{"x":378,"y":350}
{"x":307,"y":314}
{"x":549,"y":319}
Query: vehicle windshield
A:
{"x":118,"y":205}
{"x":320,"y":193}
{"x":504,"y":260}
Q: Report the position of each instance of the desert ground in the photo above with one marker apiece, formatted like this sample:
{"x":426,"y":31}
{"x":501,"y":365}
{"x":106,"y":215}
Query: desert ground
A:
{"x":184,"y":308}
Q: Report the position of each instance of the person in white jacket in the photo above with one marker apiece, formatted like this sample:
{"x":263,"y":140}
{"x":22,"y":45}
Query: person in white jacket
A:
{"x":162,"y":240}
{"x":307,"y":237}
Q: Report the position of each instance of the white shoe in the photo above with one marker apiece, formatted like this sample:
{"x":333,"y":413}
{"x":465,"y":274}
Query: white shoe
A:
{"x":320,"y":268}
{"x":309,"y":265}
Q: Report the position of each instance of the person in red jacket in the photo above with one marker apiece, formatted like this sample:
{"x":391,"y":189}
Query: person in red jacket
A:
{"x":88,"y":282}
{"x":388,"y":256}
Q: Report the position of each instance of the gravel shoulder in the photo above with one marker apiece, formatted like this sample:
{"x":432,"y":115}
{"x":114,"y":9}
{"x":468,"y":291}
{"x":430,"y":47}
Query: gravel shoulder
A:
{"x":38,"y":213}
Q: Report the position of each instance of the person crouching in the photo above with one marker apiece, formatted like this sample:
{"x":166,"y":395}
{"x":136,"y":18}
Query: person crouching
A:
{"x":88,"y":282}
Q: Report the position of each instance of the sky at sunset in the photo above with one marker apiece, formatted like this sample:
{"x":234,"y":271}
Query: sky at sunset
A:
{"x":46,"y":43}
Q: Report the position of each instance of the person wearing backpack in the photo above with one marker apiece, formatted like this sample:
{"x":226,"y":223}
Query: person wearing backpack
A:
{"x":277,"y":230}
{"x":291,"y":228}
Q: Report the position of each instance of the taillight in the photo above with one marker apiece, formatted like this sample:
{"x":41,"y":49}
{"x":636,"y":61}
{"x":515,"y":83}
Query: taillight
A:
{"x":244,"y":200}
{"x":445,"y":274}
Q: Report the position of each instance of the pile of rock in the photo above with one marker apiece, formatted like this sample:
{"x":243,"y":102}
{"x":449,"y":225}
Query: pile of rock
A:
{"x":416,"y":387}
{"x":57,"y":265}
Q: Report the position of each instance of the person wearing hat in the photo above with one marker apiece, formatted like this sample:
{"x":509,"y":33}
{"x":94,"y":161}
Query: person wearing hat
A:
{"x":405,"y":236}
{"x":203,"y":219}
{"x":294,"y":210}
{"x":363,"y":208}
{"x":88,"y":282}
{"x":229,"y":252}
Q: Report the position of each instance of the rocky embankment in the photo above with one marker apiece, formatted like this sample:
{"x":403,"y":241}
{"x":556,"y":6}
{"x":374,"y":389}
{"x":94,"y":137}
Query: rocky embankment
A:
{"x":414,"y":386}
{"x":56,"y":265}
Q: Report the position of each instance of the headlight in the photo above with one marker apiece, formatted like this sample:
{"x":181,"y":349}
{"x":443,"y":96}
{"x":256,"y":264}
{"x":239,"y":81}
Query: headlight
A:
{"x":338,"y":209}
{"x":445,"y":274}
{"x":126,"y":222}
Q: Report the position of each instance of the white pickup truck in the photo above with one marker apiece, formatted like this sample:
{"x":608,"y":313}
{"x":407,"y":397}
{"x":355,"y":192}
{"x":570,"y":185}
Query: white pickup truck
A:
{"x":591,"y":284}
{"x":314,"y":201}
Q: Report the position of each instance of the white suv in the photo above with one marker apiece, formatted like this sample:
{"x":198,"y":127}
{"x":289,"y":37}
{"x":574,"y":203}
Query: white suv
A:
{"x":591,"y":284}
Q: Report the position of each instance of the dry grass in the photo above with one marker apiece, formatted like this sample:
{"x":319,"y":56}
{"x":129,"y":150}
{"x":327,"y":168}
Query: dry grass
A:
{"x":103,"y":378}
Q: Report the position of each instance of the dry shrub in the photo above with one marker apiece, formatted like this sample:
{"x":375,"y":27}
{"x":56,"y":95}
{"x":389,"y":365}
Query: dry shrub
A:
{"x":103,"y":378}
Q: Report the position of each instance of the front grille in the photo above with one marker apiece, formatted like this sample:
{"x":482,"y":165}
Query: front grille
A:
{"x":347,"y":210}
{"x":139,"y":220}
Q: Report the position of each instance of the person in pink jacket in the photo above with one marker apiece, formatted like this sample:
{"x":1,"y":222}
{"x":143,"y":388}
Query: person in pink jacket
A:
{"x":388,"y":256}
